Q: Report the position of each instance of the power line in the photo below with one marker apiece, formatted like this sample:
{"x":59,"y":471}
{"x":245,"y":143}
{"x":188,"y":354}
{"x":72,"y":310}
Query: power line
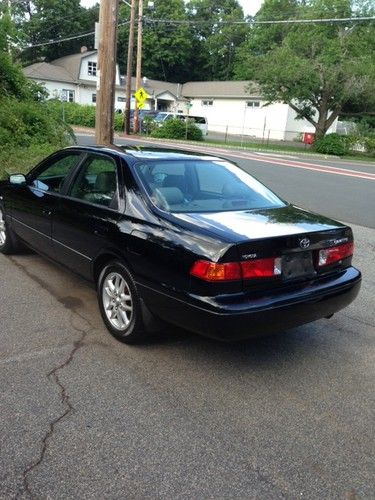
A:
{"x":256,"y":22}
{"x":67,"y":39}
{"x":172,"y":22}
{"x":60,"y":40}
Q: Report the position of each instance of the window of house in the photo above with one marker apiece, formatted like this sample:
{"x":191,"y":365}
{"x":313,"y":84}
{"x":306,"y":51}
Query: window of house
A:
{"x":253,"y":104}
{"x":91,"y":70}
{"x":121,"y":99}
{"x":93,"y":97}
{"x":67,"y":95}
{"x":208,"y":102}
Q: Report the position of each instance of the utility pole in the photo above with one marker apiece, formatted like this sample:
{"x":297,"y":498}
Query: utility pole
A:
{"x":105,"y":100}
{"x":139,"y":62}
{"x":129,"y":68}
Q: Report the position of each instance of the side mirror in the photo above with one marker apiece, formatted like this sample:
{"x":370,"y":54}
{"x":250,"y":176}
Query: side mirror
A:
{"x":17,"y":179}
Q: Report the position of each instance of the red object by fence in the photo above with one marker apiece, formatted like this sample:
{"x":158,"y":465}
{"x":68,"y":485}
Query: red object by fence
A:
{"x":308,"y":137}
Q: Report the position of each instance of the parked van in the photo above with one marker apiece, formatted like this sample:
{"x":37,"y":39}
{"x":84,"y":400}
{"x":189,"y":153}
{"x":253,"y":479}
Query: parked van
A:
{"x":199,"y":121}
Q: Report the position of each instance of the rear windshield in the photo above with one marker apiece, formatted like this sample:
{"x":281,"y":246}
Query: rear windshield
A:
{"x":203,"y":186}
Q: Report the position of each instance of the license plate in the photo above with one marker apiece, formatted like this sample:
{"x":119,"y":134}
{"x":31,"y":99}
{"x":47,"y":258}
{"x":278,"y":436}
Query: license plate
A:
{"x":297,"y":265}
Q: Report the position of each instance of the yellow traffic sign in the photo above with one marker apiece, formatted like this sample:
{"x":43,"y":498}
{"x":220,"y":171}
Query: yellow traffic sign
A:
{"x":140,"y":96}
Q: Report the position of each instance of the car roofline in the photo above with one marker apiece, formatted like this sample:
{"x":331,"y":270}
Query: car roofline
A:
{"x":126,"y":149}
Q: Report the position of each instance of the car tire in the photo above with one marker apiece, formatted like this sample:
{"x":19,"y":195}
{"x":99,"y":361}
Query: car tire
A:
{"x":9,"y":243}
{"x":120,"y":303}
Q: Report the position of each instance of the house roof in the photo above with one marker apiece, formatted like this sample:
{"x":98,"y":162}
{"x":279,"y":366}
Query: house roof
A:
{"x":220,"y":89}
{"x":47,"y":71}
{"x":71,"y":64}
{"x":67,"y":69}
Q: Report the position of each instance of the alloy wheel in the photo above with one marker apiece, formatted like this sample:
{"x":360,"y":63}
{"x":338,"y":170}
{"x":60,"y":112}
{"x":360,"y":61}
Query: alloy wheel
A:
{"x":117,"y":301}
{"x":3,"y":234}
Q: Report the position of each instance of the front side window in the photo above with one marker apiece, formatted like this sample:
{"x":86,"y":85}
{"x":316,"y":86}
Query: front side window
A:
{"x":203,"y":186}
{"x":96,"y":182}
{"x":91,"y":68}
{"x":52,"y":177}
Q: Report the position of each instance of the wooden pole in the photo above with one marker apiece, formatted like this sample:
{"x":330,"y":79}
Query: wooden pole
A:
{"x":129,"y":68}
{"x":105,"y":101}
{"x":139,"y":62}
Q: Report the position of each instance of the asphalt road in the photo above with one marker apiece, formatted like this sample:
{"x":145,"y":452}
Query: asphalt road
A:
{"x":342,"y":189}
{"x":84,"y":416}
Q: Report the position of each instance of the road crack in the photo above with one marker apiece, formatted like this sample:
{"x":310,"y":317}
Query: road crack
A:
{"x":54,"y":375}
{"x":65,"y":400}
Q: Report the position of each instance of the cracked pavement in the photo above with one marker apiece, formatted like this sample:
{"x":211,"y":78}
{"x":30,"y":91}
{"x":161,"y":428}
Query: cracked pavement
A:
{"x":84,"y":416}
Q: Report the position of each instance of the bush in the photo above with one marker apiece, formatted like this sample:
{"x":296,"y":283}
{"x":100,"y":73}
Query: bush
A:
{"x":29,"y":130}
{"x":332,"y":144}
{"x":178,"y":129}
{"x":82,"y":115}
{"x":149,"y":124}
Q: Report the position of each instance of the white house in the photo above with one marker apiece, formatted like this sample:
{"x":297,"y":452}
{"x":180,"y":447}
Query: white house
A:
{"x":231,"y":107}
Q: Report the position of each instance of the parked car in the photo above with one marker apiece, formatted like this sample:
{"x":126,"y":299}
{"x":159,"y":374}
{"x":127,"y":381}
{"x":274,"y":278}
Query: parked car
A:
{"x":177,"y":236}
{"x":199,"y":121}
{"x":142,"y":114}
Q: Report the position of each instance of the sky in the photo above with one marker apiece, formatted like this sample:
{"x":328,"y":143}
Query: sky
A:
{"x":249,"y":6}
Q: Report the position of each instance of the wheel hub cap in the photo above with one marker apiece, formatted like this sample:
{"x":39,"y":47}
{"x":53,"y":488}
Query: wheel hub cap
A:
{"x":117,"y":301}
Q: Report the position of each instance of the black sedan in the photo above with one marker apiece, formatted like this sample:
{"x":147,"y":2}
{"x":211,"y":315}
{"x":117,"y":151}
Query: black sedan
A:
{"x":185,"y":238}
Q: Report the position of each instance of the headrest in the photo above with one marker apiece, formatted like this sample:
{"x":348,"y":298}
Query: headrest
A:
{"x":105,"y":182}
{"x":169,"y":196}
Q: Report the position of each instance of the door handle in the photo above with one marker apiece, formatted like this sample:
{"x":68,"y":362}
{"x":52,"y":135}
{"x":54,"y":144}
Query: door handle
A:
{"x":100,"y":231}
{"x":47,"y":211}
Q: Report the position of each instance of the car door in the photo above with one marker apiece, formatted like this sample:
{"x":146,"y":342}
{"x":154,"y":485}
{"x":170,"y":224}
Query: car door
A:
{"x":86,"y":218}
{"x":33,"y":204}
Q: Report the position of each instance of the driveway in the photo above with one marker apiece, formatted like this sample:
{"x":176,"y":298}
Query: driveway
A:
{"x":84,"y":416}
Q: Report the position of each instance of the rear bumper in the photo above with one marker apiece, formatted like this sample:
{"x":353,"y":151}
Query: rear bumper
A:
{"x":245,"y":315}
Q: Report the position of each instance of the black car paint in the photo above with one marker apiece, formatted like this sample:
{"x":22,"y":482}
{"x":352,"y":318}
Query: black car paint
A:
{"x":159,"y":249}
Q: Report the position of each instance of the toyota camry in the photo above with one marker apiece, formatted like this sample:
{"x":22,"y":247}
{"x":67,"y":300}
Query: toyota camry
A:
{"x":179,"y":237}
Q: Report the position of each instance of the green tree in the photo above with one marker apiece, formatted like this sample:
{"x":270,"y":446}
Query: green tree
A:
{"x":215,"y":37}
{"x":166,"y":48}
{"x":43,"y":20}
{"x":12,"y":80}
{"x":316,"y":68}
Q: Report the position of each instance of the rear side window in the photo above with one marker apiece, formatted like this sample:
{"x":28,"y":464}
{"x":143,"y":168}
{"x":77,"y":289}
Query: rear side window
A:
{"x":97,"y":182}
{"x":198,"y":119}
{"x":203,"y":186}
{"x":53,"y":175}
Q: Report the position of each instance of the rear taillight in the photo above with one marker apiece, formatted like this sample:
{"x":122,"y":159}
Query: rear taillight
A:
{"x":261,"y":268}
{"x":334,"y":254}
{"x":230,"y":271}
{"x":210,"y":271}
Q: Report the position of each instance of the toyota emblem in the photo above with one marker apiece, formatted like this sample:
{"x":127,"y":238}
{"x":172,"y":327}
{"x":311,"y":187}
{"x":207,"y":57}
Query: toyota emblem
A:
{"x":304,"y":243}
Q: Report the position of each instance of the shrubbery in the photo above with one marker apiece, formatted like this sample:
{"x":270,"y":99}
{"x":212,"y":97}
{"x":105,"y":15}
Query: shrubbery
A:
{"x":178,"y":129}
{"x":331,"y":144}
{"x":81,"y":114}
{"x":29,"y":130}
{"x":340,"y":145}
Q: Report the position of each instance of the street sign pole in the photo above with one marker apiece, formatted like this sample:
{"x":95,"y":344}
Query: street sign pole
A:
{"x":139,"y":62}
{"x":129,"y":69}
